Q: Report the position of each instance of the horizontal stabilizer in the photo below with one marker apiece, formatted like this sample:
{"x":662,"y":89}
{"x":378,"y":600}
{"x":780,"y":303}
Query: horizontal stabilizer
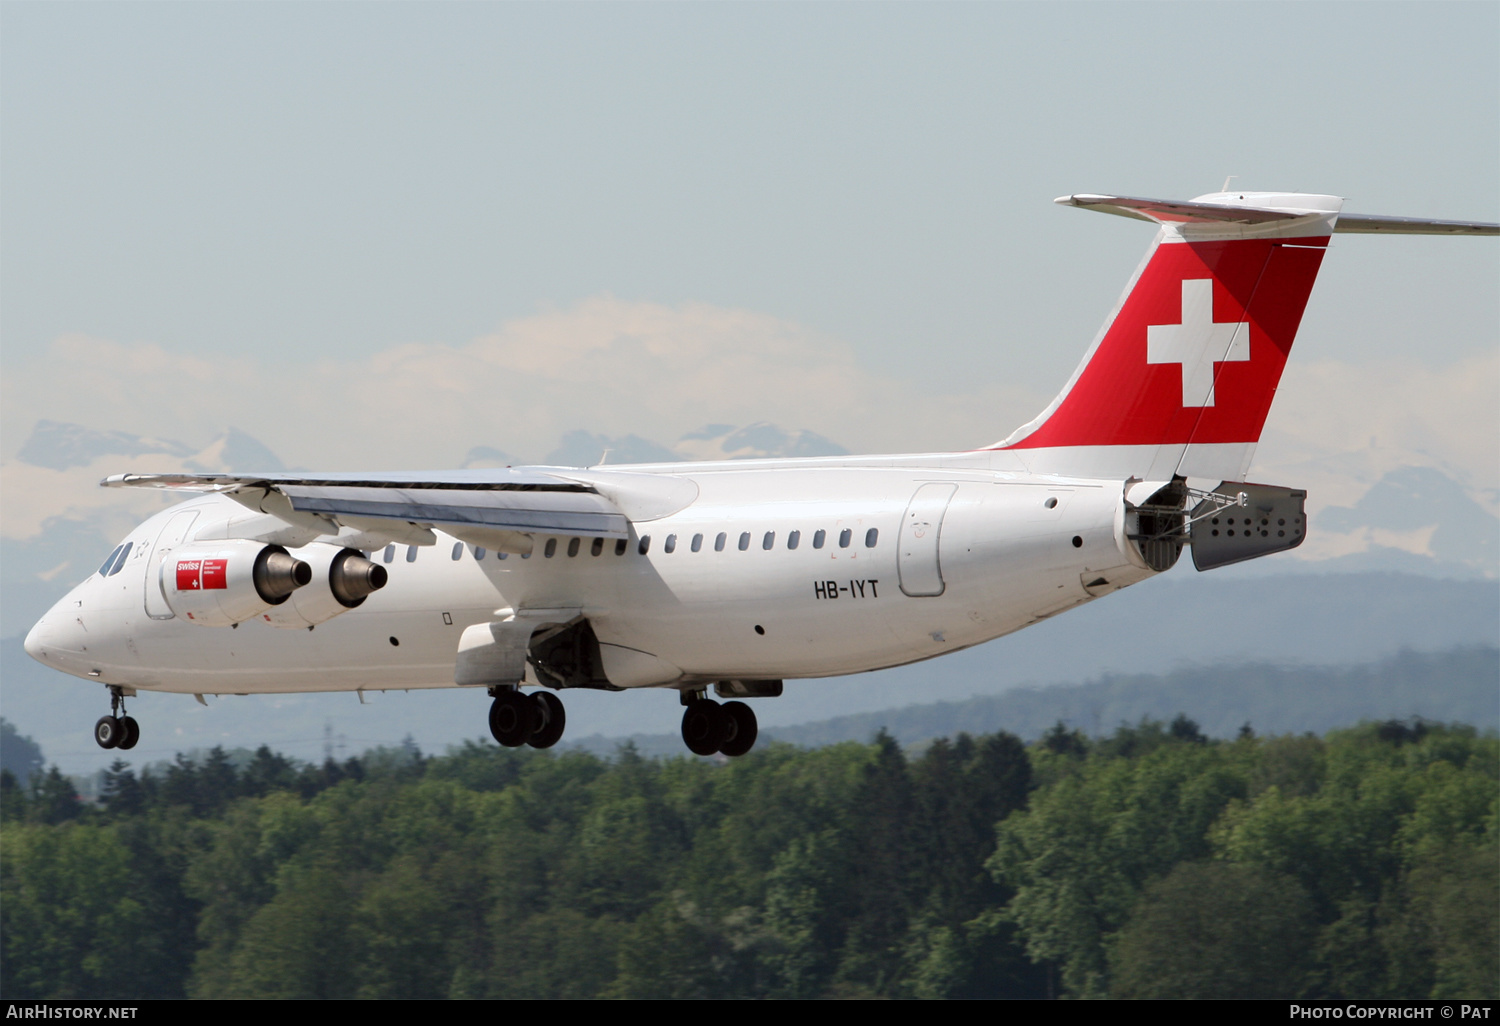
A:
{"x":1224,"y":208}
{"x":1251,"y":208}
{"x":1371,"y":224}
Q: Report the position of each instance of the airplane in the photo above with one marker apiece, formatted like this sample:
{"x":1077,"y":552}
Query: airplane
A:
{"x":737,"y":576}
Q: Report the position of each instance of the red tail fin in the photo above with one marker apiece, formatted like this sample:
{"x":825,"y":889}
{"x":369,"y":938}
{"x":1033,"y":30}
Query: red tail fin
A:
{"x":1181,"y":378}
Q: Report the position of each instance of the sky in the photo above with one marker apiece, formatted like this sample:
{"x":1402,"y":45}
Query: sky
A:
{"x":375,"y":236}
{"x":378,"y":235}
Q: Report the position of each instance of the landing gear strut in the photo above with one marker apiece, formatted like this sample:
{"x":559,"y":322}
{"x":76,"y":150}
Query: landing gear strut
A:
{"x":708,"y":727}
{"x":116,"y":730}
{"x":518,"y":719}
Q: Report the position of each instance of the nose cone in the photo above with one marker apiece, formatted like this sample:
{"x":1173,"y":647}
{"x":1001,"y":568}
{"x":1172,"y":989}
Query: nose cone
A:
{"x":58,"y":639}
{"x":34,"y":645}
{"x":39,"y":642}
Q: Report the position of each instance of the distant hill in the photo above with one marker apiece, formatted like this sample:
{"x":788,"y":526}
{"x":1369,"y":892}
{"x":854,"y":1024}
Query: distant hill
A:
{"x":1459,"y":686}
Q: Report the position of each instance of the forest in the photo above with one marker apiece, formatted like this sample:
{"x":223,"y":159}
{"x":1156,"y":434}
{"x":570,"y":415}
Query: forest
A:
{"x":1149,"y":862}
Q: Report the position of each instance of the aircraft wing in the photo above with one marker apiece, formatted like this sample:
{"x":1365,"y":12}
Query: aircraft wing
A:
{"x":486,"y":506}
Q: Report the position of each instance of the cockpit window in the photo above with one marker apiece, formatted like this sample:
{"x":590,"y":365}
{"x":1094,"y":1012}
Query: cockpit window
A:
{"x":120,"y":559}
{"x":109,"y":561}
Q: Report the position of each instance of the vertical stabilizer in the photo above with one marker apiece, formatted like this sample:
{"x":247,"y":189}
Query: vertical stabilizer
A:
{"x":1181,"y":377}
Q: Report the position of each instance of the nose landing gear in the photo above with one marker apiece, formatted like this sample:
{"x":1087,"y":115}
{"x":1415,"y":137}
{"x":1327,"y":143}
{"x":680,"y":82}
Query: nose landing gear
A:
{"x":116,"y":730}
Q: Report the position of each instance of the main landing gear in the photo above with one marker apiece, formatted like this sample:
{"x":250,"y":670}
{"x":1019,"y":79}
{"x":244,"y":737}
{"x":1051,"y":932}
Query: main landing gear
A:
{"x":115,"y":730}
{"x":708,"y":727}
{"x":518,"y":719}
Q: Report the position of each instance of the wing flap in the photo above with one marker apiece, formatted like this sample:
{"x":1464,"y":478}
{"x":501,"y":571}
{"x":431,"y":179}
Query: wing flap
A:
{"x":560,"y":512}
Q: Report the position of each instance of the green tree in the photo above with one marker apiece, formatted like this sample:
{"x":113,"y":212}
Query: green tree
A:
{"x":53,"y":798}
{"x":1080,"y":856}
{"x":882,"y":871}
{"x":70,"y":926}
{"x":1215,"y":930}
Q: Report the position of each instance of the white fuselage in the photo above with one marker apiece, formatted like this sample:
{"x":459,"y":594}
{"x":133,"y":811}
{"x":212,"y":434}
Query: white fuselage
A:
{"x":875,"y":579}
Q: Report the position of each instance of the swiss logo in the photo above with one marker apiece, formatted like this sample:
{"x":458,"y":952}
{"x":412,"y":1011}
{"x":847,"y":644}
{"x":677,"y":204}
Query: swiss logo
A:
{"x":202,"y":574}
{"x":1198,"y":342}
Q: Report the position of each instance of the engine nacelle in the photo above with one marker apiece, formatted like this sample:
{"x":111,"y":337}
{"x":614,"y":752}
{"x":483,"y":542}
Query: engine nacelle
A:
{"x":219,"y":584}
{"x":341,"y":580}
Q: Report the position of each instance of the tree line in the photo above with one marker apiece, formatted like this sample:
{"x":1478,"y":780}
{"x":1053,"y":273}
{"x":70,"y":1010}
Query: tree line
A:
{"x":1152,"y":862}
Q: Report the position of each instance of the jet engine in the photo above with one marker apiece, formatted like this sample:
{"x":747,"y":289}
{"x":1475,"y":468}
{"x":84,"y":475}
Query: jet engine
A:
{"x":220,"y":584}
{"x":341,"y":579}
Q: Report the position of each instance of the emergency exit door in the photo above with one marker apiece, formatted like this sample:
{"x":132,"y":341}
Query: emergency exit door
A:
{"x":918,"y":559}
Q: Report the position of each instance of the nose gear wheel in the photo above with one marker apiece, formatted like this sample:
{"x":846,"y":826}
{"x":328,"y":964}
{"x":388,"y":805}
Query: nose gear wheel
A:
{"x":116,"y":730}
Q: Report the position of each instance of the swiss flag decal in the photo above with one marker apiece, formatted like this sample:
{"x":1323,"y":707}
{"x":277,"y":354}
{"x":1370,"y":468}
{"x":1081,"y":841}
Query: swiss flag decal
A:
{"x":202,"y":574}
{"x":1196,"y":350}
{"x":187,"y":574}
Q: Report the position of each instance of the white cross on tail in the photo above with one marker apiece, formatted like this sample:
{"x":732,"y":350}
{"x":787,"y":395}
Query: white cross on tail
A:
{"x":1198,"y":342}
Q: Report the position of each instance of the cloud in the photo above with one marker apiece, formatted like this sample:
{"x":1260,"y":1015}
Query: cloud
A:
{"x":618,"y":367}
{"x":605,"y":365}
{"x":1337,"y":428}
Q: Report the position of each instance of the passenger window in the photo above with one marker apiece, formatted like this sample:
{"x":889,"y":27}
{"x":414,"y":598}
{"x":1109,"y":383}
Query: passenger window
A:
{"x":572,"y":547}
{"x":871,"y":537}
{"x":597,"y":547}
{"x":719,"y":541}
{"x":844,"y":537}
{"x":411,"y":553}
{"x":478,"y":552}
{"x":620,"y":546}
{"x":744,"y":541}
{"x":697,"y":545}
{"x":645,"y":545}
{"x":793,"y":538}
{"x":108,"y":560}
{"x":501,"y":554}
{"x":390,"y":553}
{"x":818,"y":538}
{"x":671,"y":544}
{"x":458,"y":550}
{"x":768,"y":540}
{"x":550,"y":549}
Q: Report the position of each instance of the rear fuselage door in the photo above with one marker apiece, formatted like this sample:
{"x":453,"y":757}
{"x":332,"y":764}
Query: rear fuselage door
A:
{"x":917,"y":556}
{"x":171,"y":537}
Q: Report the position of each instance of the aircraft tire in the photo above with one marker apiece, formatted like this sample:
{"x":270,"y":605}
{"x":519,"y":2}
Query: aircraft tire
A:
{"x":130,"y":733}
{"x":512,"y":718}
{"x":742,"y":738}
{"x":703,"y":727}
{"x":107,"y":732}
{"x":551,"y":718}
